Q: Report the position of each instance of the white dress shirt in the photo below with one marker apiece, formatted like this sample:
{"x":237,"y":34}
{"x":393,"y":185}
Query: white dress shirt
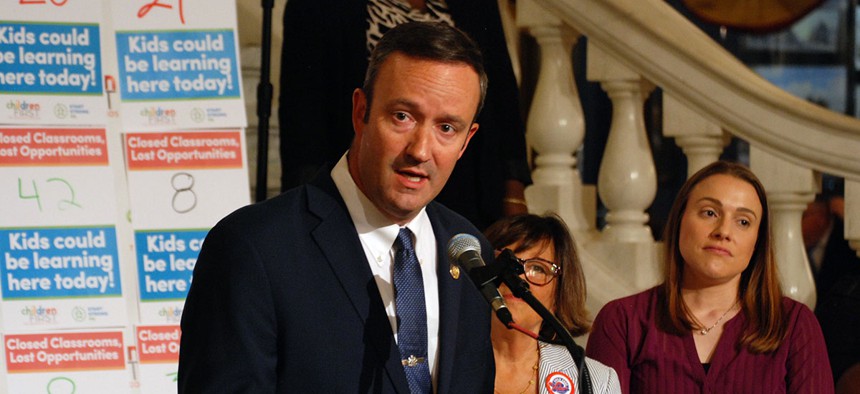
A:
{"x":377,"y":234}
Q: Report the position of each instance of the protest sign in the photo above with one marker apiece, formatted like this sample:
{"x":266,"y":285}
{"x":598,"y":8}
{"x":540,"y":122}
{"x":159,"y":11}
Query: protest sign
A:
{"x":66,"y":362}
{"x":158,"y":353}
{"x":85,"y":84}
{"x":51,"y":63}
{"x":178,"y":65}
{"x":176,"y":181}
{"x":59,"y":261}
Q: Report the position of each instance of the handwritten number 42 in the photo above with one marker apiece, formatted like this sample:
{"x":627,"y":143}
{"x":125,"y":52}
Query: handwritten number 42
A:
{"x":62,"y":204}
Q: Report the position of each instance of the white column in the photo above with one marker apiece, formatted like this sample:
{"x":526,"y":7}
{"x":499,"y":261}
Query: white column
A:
{"x":852,"y":214}
{"x":790,"y":189}
{"x":555,"y":127}
{"x":627,"y":181}
{"x":701,"y":140}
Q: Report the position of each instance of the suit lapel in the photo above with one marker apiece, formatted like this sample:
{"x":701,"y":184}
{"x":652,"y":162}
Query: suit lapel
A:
{"x":449,"y":303}
{"x":338,"y":241}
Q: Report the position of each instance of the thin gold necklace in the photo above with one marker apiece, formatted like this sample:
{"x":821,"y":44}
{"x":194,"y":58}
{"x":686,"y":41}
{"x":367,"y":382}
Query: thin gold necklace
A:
{"x":705,"y":331}
{"x":534,"y":373}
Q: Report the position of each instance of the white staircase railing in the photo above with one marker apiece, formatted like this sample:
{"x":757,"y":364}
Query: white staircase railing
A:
{"x":708,"y":95}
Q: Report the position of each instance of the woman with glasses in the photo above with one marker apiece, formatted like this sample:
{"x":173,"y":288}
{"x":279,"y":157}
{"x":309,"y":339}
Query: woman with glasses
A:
{"x":524,"y":364}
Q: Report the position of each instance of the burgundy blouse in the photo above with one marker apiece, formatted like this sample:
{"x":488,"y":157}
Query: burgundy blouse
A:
{"x":648,"y":360}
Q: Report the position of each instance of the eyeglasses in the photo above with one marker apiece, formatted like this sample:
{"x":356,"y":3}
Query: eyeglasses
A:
{"x":538,"y":271}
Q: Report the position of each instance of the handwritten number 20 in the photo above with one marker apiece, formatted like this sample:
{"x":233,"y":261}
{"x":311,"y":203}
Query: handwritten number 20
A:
{"x":58,"y":3}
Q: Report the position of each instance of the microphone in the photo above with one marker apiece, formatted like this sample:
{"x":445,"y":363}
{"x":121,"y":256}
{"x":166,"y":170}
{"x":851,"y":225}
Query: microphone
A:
{"x":465,"y":250}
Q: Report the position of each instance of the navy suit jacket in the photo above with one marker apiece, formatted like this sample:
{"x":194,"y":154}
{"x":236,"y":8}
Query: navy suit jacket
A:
{"x":283,"y":300}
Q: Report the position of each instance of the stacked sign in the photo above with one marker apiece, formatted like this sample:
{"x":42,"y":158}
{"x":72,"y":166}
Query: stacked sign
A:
{"x":119,"y":149}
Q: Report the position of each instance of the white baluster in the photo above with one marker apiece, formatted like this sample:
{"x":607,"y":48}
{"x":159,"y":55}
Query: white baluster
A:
{"x":790,"y":189}
{"x":507,"y":12}
{"x":555,"y":126}
{"x":700,"y":139}
{"x":627,"y":181}
{"x":852,"y":214}
{"x":555,"y":123}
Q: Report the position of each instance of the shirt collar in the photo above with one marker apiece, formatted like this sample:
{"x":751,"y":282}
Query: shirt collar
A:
{"x":368,"y":220}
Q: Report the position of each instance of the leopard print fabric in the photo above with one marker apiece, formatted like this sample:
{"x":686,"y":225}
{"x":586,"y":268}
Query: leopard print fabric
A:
{"x":383,"y":15}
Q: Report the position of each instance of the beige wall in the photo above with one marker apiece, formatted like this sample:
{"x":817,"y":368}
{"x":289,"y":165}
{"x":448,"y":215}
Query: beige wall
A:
{"x":250,"y":29}
{"x":250,"y":21}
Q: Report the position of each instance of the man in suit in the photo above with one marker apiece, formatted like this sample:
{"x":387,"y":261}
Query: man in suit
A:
{"x":297,"y":294}
{"x":326,"y":47}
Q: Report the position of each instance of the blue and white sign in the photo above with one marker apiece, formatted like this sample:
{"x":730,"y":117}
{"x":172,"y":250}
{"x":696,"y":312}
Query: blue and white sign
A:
{"x":51,"y":57}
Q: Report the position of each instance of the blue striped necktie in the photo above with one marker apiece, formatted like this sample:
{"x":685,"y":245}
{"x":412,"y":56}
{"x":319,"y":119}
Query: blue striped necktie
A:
{"x":411,"y":314}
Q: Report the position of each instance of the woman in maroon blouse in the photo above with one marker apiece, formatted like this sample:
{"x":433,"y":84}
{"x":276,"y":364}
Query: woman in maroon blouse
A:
{"x":718,"y":323}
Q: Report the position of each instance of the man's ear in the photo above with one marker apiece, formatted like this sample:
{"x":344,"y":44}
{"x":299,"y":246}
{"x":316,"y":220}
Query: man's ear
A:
{"x":359,"y":108}
{"x":472,"y":131}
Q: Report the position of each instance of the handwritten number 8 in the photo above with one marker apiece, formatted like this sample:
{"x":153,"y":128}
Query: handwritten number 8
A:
{"x":184,"y":200}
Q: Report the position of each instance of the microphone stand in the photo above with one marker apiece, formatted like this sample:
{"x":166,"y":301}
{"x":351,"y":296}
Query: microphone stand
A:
{"x":264,"y":103}
{"x":509,"y":274}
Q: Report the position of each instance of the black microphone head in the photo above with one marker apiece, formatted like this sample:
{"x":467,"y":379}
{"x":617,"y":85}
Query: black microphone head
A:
{"x":461,"y":243}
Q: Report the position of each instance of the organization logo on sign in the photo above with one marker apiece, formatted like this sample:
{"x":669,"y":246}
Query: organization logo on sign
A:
{"x":40,"y":315}
{"x":159,"y":115}
{"x":79,"y":314}
{"x":171,"y":314}
{"x":61,"y":111}
{"x":24,"y":109}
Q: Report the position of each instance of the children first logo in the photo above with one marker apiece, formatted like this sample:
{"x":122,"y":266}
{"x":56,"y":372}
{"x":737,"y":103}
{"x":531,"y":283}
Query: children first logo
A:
{"x":171,"y":314}
{"x":159,"y":116}
{"x":24,"y":109}
{"x":39,"y":315}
